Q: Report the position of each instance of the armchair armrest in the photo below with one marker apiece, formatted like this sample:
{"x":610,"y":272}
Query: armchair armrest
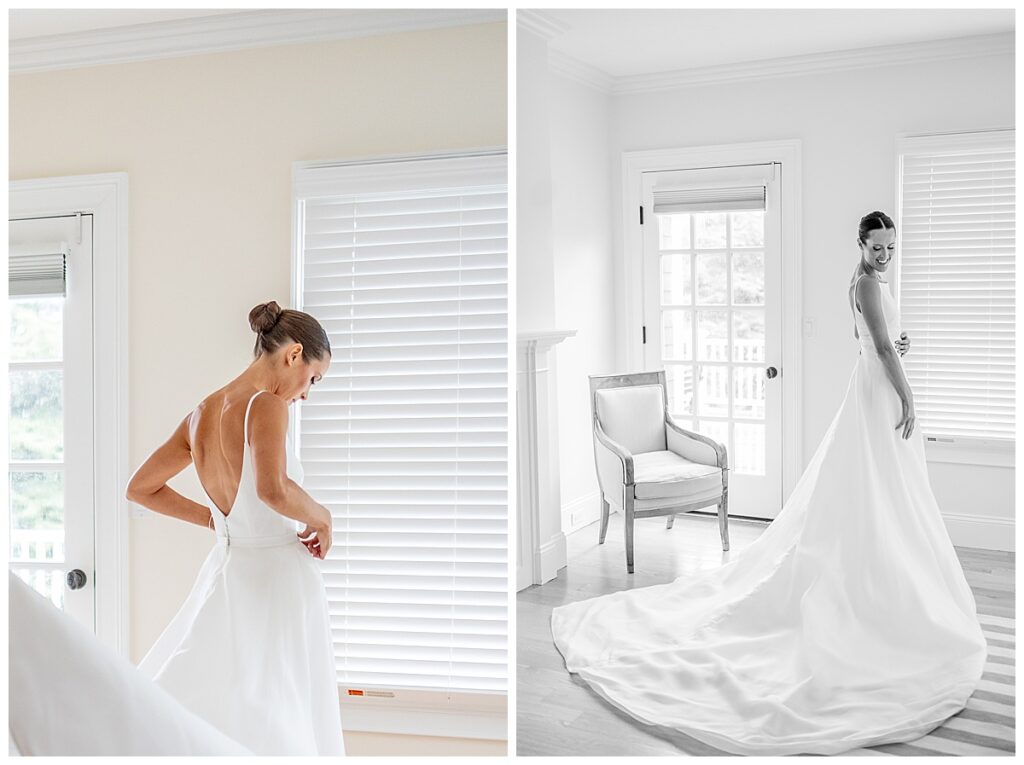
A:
{"x":694,"y":446}
{"x":613,"y":459}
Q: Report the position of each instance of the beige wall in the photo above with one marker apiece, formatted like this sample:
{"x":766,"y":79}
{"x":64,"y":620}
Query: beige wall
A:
{"x":208,"y":143}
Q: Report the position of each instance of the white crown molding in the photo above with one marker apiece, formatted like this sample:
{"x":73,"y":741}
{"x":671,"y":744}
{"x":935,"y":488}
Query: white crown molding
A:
{"x":816,"y":63}
{"x":579,"y":71}
{"x":226,"y":32}
{"x":540,"y":23}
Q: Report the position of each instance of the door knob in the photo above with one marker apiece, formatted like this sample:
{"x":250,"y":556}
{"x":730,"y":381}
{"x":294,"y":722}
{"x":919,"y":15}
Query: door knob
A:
{"x":76,"y":579}
{"x":771,"y":372}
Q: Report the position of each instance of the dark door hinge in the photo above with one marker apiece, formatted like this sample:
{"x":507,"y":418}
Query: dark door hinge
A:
{"x":645,"y":334}
{"x":641,"y":215}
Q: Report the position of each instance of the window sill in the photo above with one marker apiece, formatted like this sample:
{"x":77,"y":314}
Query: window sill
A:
{"x":970,"y":452}
{"x":426,"y":713}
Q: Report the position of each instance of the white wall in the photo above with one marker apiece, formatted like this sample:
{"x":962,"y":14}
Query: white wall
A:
{"x":208,"y":142}
{"x":534,"y":269}
{"x":584,"y":290}
{"x":847,"y":122}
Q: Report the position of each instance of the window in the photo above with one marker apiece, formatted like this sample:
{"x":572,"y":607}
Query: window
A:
{"x":956,"y":282}
{"x":37,"y":289}
{"x":713,"y":314}
{"x":405,"y":263}
{"x":712,"y":289}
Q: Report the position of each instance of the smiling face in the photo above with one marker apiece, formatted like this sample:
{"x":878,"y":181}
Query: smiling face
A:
{"x":878,"y":250}
{"x":300,"y":376}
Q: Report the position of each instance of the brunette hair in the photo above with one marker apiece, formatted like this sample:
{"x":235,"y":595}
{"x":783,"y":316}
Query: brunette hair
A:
{"x":275,"y":326}
{"x":871,"y":222}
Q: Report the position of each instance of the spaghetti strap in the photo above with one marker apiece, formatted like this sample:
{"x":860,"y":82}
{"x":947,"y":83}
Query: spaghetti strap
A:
{"x":245,"y":423}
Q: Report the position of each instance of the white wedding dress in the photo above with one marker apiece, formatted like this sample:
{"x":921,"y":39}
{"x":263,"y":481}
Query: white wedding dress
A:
{"x":847,"y":623}
{"x":250,"y":650}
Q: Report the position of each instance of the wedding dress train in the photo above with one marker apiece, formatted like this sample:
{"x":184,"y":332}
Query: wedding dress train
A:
{"x":847,"y":623}
{"x":250,"y":650}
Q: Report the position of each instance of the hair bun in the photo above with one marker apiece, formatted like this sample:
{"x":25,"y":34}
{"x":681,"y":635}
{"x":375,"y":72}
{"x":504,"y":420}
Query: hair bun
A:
{"x":873,"y":220}
{"x":263,"y":317}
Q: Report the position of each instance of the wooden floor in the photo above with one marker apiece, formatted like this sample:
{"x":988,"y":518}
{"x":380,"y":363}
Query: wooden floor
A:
{"x":558,"y":713}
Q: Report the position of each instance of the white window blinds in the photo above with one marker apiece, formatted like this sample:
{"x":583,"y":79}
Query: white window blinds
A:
{"x":704,"y":200}
{"x":956,"y":282}
{"x":736,"y":187}
{"x":405,"y":440}
{"x":37,"y":270}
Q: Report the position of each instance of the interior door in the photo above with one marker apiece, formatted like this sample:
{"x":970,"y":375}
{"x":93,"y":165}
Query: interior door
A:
{"x":712,"y":284}
{"x":50,"y":451}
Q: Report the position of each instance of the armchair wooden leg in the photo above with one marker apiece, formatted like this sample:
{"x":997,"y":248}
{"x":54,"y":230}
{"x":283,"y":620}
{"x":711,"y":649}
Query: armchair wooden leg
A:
{"x":723,"y":520}
{"x":628,"y":512}
{"x":605,"y":510}
{"x":670,"y":521}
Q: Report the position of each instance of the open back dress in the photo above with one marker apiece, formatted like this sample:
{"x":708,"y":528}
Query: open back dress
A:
{"x":250,"y":649}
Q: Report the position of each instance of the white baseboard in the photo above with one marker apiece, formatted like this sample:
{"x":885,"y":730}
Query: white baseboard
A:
{"x":553,"y":556}
{"x":988,"y":532}
{"x":424,"y":713}
{"x":581,"y":511}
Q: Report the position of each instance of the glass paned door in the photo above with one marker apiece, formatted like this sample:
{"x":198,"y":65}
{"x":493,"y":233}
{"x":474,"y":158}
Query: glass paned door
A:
{"x":50,"y":438}
{"x":712,"y":314}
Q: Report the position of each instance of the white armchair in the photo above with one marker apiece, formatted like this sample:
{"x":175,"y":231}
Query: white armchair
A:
{"x":647,"y":465}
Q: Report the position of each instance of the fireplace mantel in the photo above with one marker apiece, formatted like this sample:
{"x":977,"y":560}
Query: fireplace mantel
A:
{"x":541,"y":543}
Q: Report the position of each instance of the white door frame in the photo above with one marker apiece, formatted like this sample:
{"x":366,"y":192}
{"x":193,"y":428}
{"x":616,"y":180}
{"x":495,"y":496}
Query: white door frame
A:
{"x":105,"y":196}
{"x":786,"y":152}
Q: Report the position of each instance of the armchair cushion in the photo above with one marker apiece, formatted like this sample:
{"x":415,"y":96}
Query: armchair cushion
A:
{"x":633,"y":416}
{"x":661,"y":474}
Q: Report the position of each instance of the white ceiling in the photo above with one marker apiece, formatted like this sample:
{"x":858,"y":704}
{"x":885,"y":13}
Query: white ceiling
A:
{"x":635,"y":42}
{"x":37,"y":23}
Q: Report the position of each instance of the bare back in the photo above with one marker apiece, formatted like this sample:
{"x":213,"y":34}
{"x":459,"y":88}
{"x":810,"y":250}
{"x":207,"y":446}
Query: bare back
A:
{"x":215,"y":436}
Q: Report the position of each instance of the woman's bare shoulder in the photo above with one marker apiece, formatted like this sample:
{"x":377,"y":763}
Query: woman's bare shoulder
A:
{"x":268,"y":416}
{"x":865,"y":288}
{"x":218,"y":400}
{"x":213,"y":404}
{"x":199,"y":417}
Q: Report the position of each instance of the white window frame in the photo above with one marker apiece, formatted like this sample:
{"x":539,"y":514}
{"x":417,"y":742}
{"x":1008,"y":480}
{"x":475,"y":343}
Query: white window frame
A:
{"x":105,"y":197}
{"x":482,"y":715}
{"x":961,"y":450}
{"x":786,"y":152}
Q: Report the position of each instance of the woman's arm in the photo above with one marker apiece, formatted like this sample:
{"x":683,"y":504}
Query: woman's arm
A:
{"x":870,"y":301}
{"x":148,"y":486}
{"x":268,"y":424}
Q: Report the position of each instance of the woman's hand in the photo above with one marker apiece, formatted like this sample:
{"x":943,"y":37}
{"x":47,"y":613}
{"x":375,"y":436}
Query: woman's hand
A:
{"x":902,"y":344}
{"x":908,"y":419}
{"x":317,"y":535}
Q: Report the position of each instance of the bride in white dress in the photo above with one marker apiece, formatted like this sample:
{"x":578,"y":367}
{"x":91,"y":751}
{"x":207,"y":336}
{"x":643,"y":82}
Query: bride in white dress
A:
{"x":847,"y":623}
{"x":250,"y":650}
